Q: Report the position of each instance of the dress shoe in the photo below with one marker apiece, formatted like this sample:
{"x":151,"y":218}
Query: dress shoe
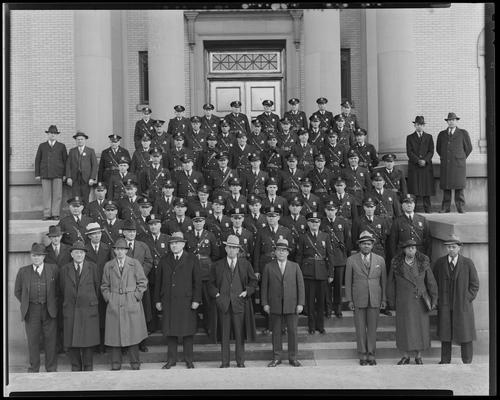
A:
{"x":46,"y":218}
{"x":32,"y":371}
{"x":143,"y":348}
{"x":338,"y":314}
{"x":461,"y":211}
{"x":418,"y":361}
{"x":54,"y":218}
{"x":443,"y":211}
{"x":295,"y":363}
{"x":443,"y":362}
{"x":283,"y":331}
{"x":322,"y":331}
{"x":386,"y":312}
{"x":274,"y":363}
{"x":224,"y":366}
{"x":168,"y":365}
{"x":189,"y":365}
{"x":135,"y":366}
{"x":265,"y":332}
{"x":363,"y":362}
{"x":116,"y":367}
{"x":372,"y":362}
{"x":404,"y":361}
{"x":240,"y":365}
{"x":311,"y":331}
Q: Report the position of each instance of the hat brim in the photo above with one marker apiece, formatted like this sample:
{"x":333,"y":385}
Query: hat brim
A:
{"x":120,"y":247}
{"x":38,"y":253}
{"x":232,"y":244}
{"x":85,"y":136}
{"x":453,"y":242}
{"x":176,"y":240}
{"x":94,"y":231}
{"x":449,"y":119}
{"x":366,"y":240}
{"x":154,"y":221}
{"x":57,"y":133}
{"x":78,"y":248}
{"x":282,"y":247}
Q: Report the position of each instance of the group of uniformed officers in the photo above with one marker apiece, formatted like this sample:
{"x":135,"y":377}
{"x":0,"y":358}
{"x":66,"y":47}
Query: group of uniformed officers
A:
{"x":211,"y":220}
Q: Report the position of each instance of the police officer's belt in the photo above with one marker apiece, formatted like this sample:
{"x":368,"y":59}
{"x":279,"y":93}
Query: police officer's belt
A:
{"x":316,"y":258}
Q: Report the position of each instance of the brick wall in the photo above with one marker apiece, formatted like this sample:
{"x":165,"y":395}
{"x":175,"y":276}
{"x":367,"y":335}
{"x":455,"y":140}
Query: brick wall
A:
{"x":350,"y":38}
{"x":42,"y":90}
{"x":447,"y":69}
{"x":137,"y":40}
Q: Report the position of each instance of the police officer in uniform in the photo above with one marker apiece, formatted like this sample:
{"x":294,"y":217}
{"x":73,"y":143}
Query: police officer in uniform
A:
{"x":339,"y":230}
{"x":95,"y":209}
{"x":210,"y":123}
{"x":366,"y":152}
{"x":269,"y":120}
{"x":290,"y":178}
{"x":164,"y":205}
{"x":207,"y":162}
{"x":321,"y":177}
{"x":236,"y":119}
{"x":116,"y":188}
{"x":297,"y":118}
{"x":172,"y":160}
{"x":316,"y":134}
{"x":272,"y":199}
{"x":394,"y":178}
{"x":357,"y":179}
{"x":304,"y":151}
{"x":179,"y":222}
{"x":334,"y":152}
{"x":225,"y":140}
{"x":325,"y":117}
{"x":257,"y":138}
{"x":311,"y":201}
{"x":201,"y":203}
{"x":111,"y":226}
{"x":179,"y":124}
{"x":197,"y":138}
{"x":152,"y":178}
{"x":128,"y":207}
{"x":346,"y":201}
{"x":387,"y":202}
{"x":203,"y":245}
{"x":272,"y":157}
{"x":143,"y":126}
{"x":188,"y":180}
{"x":239,"y":154}
{"x":254,"y":220}
{"x":236,"y":199}
{"x":351,"y":120}
{"x":287,"y":138}
{"x":219,"y":178}
{"x":160,"y":138}
{"x":316,"y":259}
{"x":346,"y":136}
{"x":217,"y":222}
{"x":296,"y":222}
{"x":108,"y":165}
{"x":140,"y":158}
{"x":73,"y":226}
{"x":254,"y":180}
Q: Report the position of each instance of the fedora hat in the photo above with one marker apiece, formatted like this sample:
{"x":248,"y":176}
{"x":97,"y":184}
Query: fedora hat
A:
{"x":52,"y":129}
{"x":176,"y":237}
{"x":129,"y":225}
{"x":282,"y":244}
{"x":232,"y":241}
{"x":121,"y":243}
{"x":93,"y":227}
{"x":78,"y":245}
{"x":452,"y":115}
{"x":366,"y":236}
{"x":79,"y":133}
{"x":38,"y":249}
{"x":407,"y":243}
{"x":55,"y":230}
{"x":453,"y":239}
{"x":419,"y":119}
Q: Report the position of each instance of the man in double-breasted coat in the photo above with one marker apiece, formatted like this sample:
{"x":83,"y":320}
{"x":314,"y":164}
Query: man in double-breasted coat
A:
{"x":177,"y":295}
{"x":458,"y":284}
{"x":80,"y":287}
{"x":365,"y":283}
{"x":420,"y":149}
{"x":283,"y":297}
{"x":123,"y":284}
{"x":453,"y":146}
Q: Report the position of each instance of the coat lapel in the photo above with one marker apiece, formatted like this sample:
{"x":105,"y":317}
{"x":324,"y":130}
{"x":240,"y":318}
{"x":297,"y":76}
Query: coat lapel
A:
{"x":72,"y":273}
{"x":85,"y":271}
{"x":362,"y":265}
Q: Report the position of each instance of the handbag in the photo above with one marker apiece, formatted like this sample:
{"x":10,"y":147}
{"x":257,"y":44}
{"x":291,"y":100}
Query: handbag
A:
{"x":426,"y":299}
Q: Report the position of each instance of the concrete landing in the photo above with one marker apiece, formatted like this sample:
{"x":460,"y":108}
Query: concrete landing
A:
{"x":472,"y":379}
{"x":471,"y":227}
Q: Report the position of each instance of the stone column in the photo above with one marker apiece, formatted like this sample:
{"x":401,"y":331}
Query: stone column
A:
{"x":93,"y":77}
{"x":167,"y":73}
{"x":396,"y":78}
{"x":322,"y":59}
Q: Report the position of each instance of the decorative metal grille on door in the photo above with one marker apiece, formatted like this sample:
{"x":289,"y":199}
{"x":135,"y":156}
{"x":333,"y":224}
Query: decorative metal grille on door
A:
{"x":251,"y":62}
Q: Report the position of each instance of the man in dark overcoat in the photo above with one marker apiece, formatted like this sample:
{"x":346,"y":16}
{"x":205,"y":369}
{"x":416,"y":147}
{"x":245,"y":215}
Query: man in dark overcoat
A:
{"x":458,"y":284}
{"x":37,"y":288}
{"x":420,"y":149}
{"x":283,"y":297}
{"x":231,"y":283}
{"x":50,"y":168}
{"x":177,"y":295}
{"x":453,"y":146}
{"x":80,"y":284}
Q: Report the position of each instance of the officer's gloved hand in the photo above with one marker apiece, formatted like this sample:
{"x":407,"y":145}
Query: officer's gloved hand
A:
{"x":351,"y":306}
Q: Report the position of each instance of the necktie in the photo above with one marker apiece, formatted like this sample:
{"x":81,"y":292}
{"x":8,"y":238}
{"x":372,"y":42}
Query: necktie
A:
{"x":96,"y":249}
{"x":450,"y":132}
{"x":367,"y":261}
{"x":176,"y":257}
{"x":120,"y":265}
{"x":78,"y":269}
{"x":410,"y":218}
{"x":56,"y":251}
{"x":452,"y":266}
{"x":197,"y":235}
{"x":272,"y":200}
{"x":232,"y":266}
{"x":282,"y":268}
{"x":130,"y":246}
{"x":39,"y":270}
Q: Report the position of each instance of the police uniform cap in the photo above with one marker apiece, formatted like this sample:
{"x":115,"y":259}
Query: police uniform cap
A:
{"x":319,"y":157}
{"x":352,"y":154}
{"x":180,"y":202}
{"x":256,"y":122}
{"x":331,"y":205}
{"x":377,"y":176}
{"x":360,"y":131}
{"x":178,"y":136}
{"x":234,"y":181}
{"x":271,"y":135}
{"x":285,"y":121}
{"x":144,"y":202}
{"x":306,"y":182}
{"x":291,"y":156}
{"x":313,"y":216}
{"x":153,"y":218}
{"x":237,"y":211}
{"x":124,"y":160}
{"x":100,"y":186}
{"x":322,"y":100}
{"x":224,"y":123}
{"x":195,"y":119}
{"x":75,"y":201}
{"x":369,"y":202}
{"x":208,"y":106}
{"x":408,"y":198}
{"x":185,"y":158}
{"x":302,"y":131}
{"x":146,"y":137}
{"x":254,"y":157}
{"x":199,"y":215}
{"x":236,"y":104}
{"x":222,"y":155}
{"x":254,"y":199}
{"x":110,"y":205}
{"x":272,"y":181}
{"x":296,"y":201}
{"x":339,"y":181}
{"x":272,"y":211}
{"x":156,"y":150}
{"x":114,"y":138}
{"x":346,"y":104}
{"x":314,"y":118}
{"x":130,"y":182}
{"x":240,"y":134}
{"x":219,"y":200}
{"x":332,"y":133}
{"x":146,"y":110}
{"x":339,"y":118}
{"x":389,"y":157}
{"x":293,"y":101}
{"x":203,"y":189}
{"x":211,"y":136}
{"x":159,"y":122}
{"x":129,"y":225}
{"x":168,"y":184}
{"x":179,"y":108}
{"x":267,"y":103}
